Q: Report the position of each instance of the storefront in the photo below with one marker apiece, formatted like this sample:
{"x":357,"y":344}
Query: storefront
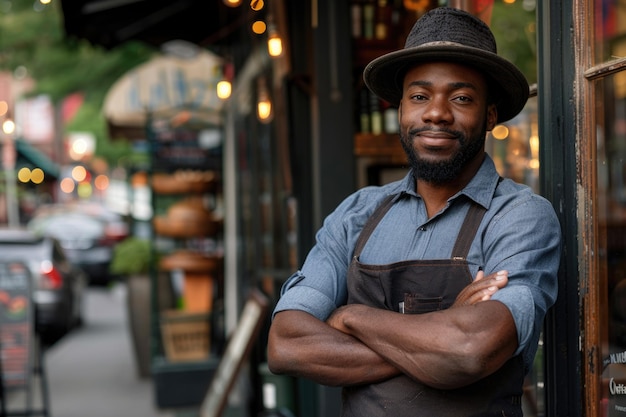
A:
{"x":282,"y":174}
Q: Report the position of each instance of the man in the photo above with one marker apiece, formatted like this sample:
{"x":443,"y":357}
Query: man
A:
{"x":426,"y":297}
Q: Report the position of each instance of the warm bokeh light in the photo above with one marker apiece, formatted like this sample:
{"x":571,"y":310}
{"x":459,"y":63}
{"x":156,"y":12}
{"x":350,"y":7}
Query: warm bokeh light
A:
{"x":257,"y":5}
{"x":79,"y":173}
{"x":37,"y":176}
{"x":233,"y":3}
{"x":4,"y":107}
{"x":500,"y":132}
{"x":78,"y":149}
{"x":259,"y":27}
{"x":67,"y":185}
{"x":8,"y":126}
{"x":101,"y":182}
{"x":274,"y":44}
{"x":23,"y":174}
{"x":224,"y":89}
{"x":264,"y":110}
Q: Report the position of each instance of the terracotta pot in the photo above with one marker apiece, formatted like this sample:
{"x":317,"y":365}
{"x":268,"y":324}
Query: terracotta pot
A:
{"x":184,"y":182}
{"x":192,"y":262}
{"x":187,"y":218}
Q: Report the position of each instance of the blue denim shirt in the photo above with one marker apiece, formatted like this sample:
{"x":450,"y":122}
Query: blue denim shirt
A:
{"x":519,"y":233}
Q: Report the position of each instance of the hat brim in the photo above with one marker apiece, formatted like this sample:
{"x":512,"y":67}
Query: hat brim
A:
{"x":384,"y":75}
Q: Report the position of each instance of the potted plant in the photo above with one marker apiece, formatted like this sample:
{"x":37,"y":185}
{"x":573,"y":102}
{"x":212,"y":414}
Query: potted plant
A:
{"x":132,"y":256}
{"x":132,"y":259}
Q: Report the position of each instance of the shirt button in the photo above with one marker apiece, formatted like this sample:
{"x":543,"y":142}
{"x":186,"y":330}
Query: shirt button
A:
{"x":422,"y":228}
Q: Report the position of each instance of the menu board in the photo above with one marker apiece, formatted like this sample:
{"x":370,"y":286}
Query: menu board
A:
{"x":16,"y":324}
{"x":190,"y":148}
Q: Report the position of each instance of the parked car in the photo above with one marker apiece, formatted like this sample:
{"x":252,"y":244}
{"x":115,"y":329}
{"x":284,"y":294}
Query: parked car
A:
{"x":58,"y":285}
{"x":87,"y":232}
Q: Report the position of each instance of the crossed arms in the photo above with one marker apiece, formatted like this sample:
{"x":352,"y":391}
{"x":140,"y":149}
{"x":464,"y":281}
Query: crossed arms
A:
{"x":360,"y":344}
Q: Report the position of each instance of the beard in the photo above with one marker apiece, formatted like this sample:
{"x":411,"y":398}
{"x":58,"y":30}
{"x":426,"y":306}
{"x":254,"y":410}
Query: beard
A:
{"x":441,"y":172}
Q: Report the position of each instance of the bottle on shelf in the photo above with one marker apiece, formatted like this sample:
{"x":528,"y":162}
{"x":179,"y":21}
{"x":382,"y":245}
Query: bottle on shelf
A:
{"x":390,"y":118}
{"x":364,"y":111}
{"x":356,"y":13}
{"x":376,"y":117}
{"x":369,"y":11}
{"x":383,"y":16}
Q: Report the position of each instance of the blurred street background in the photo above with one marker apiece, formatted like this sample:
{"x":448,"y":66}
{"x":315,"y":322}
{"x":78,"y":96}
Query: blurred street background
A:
{"x":92,"y":371}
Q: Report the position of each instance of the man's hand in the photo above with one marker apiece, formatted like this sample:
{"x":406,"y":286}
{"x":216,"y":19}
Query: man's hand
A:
{"x":482,"y":288}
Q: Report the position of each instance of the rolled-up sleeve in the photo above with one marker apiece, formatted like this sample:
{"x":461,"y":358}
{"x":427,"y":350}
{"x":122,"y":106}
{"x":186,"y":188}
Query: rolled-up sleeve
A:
{"x":319,"y":287}
{"x":525,"y":239}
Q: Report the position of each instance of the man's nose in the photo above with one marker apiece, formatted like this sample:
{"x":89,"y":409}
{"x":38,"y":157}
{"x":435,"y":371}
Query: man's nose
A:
{"x":437,"y":110}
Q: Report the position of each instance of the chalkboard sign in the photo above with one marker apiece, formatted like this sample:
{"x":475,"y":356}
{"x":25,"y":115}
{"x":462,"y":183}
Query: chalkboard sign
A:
{"x":237,"y":349}
{"x":185,"y":148}
{"x":16,"y":324}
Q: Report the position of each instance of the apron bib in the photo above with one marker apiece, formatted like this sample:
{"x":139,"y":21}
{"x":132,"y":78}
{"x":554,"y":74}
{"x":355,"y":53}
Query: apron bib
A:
{"x":416,"y":287}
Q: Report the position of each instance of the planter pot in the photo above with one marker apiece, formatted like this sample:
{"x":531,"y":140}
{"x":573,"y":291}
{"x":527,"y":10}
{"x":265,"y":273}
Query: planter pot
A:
{"x":138,"y":304}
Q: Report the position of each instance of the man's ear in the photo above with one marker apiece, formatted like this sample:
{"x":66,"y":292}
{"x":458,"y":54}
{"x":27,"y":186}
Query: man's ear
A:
{"x":492,"y":117}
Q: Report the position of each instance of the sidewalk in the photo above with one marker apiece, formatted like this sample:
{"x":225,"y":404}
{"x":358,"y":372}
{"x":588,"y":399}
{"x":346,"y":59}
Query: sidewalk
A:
{"x":91,"y":372}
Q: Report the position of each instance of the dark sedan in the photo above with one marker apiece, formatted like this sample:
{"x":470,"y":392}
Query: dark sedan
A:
{"x":58,"y":287}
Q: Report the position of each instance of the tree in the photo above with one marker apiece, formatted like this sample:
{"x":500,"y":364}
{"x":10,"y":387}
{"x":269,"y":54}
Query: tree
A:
{"x":32,"y":41}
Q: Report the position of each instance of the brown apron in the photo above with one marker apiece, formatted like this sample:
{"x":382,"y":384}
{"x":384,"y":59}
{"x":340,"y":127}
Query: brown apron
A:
{"x":424,"y":286}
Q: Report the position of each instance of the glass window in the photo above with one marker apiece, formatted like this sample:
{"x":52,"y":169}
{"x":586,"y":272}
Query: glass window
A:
{"x":514,"y":147}
{"x":611,"y":192}
{"x":609,"y":30}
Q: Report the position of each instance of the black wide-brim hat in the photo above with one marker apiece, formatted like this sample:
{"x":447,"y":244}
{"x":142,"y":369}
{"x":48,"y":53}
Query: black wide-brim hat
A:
{"x":451,"y":35}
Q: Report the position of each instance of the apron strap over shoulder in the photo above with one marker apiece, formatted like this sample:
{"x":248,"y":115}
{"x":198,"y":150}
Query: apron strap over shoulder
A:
{"x":373,"y":221}
{"x":468,"y":231}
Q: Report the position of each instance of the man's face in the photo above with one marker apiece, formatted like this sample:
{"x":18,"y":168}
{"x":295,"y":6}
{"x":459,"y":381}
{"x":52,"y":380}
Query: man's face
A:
{"x":444,"y":117}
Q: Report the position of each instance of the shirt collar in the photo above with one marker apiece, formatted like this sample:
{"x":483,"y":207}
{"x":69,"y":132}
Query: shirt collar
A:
{"x":480,"y":189}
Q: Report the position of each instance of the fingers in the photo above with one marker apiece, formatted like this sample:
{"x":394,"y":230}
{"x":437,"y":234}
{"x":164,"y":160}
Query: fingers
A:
{"x":482,"y":288}
{"x":480,"y":275}
{"x":499,"y":281}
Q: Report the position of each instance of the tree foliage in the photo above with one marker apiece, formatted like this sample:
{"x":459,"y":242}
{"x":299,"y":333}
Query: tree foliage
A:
{"x":32,"y":41}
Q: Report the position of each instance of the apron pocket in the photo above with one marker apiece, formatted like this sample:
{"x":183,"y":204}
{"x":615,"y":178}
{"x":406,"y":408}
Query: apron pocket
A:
{"x":415,"y":304}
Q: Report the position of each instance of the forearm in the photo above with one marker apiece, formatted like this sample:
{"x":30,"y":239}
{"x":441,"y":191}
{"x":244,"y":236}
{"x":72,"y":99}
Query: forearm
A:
{"x":303,"y":346}
{"x":444,"y":349}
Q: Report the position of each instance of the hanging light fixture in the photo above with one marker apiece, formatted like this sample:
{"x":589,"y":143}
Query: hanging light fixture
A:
{"x":274,"y":42}
{"x":264,"y":110}
{"x":257,"y":5}
{"x":224,"y":87}
{"x":233,"y":3}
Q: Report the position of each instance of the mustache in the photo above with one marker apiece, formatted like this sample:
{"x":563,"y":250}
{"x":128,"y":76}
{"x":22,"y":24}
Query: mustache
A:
{"x":416,"y":131}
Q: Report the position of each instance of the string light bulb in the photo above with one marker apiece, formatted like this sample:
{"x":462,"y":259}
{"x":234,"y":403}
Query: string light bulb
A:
{"x":257,"y":5}
{"x":264,"y":109}
{"x":274,"y":42}
{"x":224,"y":87}
{"x":233,"y":3}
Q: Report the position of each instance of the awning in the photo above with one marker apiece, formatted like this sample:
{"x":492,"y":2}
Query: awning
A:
{"x":166,"y":87}
{"x":109,"y":23}
{"x":31,"y":157}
